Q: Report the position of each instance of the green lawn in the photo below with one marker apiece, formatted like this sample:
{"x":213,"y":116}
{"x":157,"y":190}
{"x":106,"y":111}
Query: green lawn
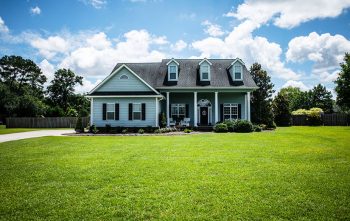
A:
{"x":292,"y":173}
{"x":4,"y":130}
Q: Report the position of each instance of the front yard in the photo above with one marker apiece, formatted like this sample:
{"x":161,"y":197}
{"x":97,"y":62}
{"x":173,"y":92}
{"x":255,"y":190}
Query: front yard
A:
{"x":291,"y":173}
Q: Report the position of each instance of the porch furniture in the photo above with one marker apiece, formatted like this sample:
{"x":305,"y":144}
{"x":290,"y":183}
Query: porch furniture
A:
{"x":185,"y":122}
{"x":172,"y":122}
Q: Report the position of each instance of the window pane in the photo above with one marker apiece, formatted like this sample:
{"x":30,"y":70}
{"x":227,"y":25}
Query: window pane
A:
{"x":226,"y":110}
{"x":205,"y":75}
{"x":205,"y":68}
{"x":110,"y":115}
{"x":238,"y":75}
{"x":137,"y":115}
{"x":172,"y":69}
{"x":110,"y":107}
{"x":137,"y":107}
{"x":182,"y":110}
{"x":172,"y":76}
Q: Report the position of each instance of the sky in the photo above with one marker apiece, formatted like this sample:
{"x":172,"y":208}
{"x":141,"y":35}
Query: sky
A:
{"x":299,"y":43}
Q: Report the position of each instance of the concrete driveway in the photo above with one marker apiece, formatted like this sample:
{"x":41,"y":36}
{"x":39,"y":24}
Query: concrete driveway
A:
{"x":31,"y":134}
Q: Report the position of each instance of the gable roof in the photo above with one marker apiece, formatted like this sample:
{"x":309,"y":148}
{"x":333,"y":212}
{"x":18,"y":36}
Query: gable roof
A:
{"x":205,"y":60}
{"x":114,"y":72}
{"x":172,"y":60}
{"x":155,"y":74}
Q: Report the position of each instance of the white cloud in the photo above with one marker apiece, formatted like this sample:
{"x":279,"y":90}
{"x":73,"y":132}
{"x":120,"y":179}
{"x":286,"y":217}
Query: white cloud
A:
{"x":49,"y":47}
{"x":290,"y":13}
{"x":48,"y":70}
{"x":98,"y":4}
{"x":179,"y":46}
{"x":86,"y":87}
{"x":212,"y":29}
{"x":241,"y":43}
{"x":3,"y":28}
{"x":325,"y":50}
{"x":98,"y":41}
{"x":299,"y":84}
{"x":188,"y":16}
{"x":35,"y":11}
{"x":162,"y":40}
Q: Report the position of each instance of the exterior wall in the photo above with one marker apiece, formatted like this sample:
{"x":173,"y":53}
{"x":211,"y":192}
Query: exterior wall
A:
{"x":223,"y":97}
{"x":131,"y":84}
{"x":124,"y":112}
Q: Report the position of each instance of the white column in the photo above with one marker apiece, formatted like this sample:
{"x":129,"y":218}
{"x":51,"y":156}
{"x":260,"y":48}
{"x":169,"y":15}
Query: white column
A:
{"x":245,"y":107}
{"x":157,"y":112}
{"x":195,"y":108}
{"x":167,"y":109}
{"x":248,"y":96}
{"x":91,"y":111}
{"x":216,"y":108}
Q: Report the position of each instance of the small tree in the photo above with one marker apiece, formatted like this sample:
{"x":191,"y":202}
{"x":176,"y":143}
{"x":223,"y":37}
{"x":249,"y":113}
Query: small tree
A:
{"x":162,"y":120}
{"x":281,"y":110}
{"x":79,"y":125}
{"x":343,"y":84}
{"x":321,"y":98}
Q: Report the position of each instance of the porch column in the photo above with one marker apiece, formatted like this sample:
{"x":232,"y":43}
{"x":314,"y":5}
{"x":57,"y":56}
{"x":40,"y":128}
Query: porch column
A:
{"x":248,"y":98}
{"x":92,"y":111}
{"x":167,"y":109}
{"x":157,"y":113}
{"x":195,"y":108}
{"x":216,"y":107}
{"x":246,"y":106}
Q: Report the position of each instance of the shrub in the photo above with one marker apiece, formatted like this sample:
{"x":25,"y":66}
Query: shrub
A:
{"x":230,"y":124}
{"x":162,"y":120}
{"x":79,"y":125}
{"x":141,"y":131}
{"x":125,"y":131}
{"x":257,"y":128}
{"x":93,"y":129}
{"x":263,"y":126}
{"x":187,"y":130}
{"x":220,"y":128}
{"x":271,"y":126}
{"x":243,"y":126}
{"x":314,"y":117}
{"x":149,"y":129}
{"x":157,"y":131}
{"x":108,"y":128}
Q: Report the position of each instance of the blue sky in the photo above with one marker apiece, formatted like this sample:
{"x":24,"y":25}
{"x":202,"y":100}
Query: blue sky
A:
{"x":299,"y":43}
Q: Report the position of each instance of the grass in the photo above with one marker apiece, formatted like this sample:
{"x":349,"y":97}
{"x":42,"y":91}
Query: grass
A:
{"x":293,"y":173}
{"x":4,"y":130}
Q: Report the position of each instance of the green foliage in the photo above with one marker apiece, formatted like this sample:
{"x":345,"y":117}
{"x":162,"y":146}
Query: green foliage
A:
{"x":281,"y":110}
{"x":261,"y":109}
{"x":257,"y":128}
{"x":242,"y":126}
{"x":313,"y":116}
{"x":141,"y":131}
{"x":230,"y":124}
{"x":343,"y":84}
{"x":187,"y":130}
{"x":79,"y":125}
{"x":93,"y":129}
{"x":108,"y":128}
{"x":71,"y":112}
{"x":296,"y":98}
{"x":125,"y":131}
{"x":162,"y":120}
{"x":54,"y":111}
{"x":322,"y":98}
{"x":220,"y":128}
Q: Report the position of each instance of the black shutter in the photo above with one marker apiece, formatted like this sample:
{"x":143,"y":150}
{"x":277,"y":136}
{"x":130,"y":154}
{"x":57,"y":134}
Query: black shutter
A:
{"x":169,"y":110}
{"x":143,"y":113}
{"x":104,"y":111}
{"x":221,"y":112}
{"x":239,"y":111}
{"x":116,"y":113}
{"x":187,"y":110}
{"x":130,"y":111}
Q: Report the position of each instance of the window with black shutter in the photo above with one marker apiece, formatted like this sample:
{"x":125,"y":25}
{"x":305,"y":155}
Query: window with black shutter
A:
{"x":143,"y":110}
{"x":130,"y":111}
{"x":116,"y":109}
{"x":104,"y":111}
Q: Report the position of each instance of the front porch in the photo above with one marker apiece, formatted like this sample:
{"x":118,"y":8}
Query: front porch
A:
{"x":204,"y":108}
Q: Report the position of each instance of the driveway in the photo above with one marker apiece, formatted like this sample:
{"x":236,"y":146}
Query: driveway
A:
{"x":32,"y":134}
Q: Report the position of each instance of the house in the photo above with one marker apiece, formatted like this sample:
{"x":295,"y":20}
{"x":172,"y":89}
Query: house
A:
{"x":191,"y":92}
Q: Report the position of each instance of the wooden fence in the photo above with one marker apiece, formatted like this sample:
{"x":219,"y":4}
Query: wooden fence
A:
{"x":335,"y":119}
{"x":47,"y":122}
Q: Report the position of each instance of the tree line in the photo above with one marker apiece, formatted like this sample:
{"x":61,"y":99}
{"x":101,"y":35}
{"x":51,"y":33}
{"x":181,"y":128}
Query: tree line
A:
{"x":268,"y":110}
{"x":23,"y":94}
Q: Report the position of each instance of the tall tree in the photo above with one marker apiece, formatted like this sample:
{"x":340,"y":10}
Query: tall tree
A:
{"x":297,"y":99}
{"x":322,"y":98}
{"x":61,"y":90}
{"x":343,"y":85}
{"x":262,"y":97}
{"x":281,"y":110}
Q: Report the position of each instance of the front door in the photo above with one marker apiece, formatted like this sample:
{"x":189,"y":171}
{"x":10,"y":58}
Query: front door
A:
{"x":204,"y":115}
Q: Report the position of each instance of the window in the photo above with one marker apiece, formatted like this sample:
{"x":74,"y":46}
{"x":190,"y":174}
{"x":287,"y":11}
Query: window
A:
{"x":136,"y":112}
{"x":178,"y":111}
{"x":238,"y":72}
{"x":172,"y":72}
{"x":205,"y":72}
{"x":230,"y":111}
{"x":110,"y":111}
{"x":124,"y":77}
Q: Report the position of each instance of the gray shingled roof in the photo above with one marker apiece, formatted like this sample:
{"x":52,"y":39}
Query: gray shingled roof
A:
{"x":155,"y":74}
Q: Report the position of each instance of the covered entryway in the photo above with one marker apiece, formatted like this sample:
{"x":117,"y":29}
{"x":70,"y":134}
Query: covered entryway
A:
{"x":204,"y":110}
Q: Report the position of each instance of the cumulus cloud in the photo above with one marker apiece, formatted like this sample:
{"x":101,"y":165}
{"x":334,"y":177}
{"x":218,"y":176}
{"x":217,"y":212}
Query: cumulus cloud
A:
{"x":48,"y":70}
{"x":212,"y":29}
{"x":49,"y":47}
{"x":179,"y":46}
{"x":299,"y":84}
{"x":86,"y":87}
{"x":325,"y":50}
{"x":290,"y":13}
{"x":35,"y":11}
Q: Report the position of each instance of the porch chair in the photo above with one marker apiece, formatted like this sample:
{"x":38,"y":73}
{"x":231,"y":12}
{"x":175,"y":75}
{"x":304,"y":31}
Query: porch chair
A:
{"x":185,"y":122}
{"x":172,"y":122}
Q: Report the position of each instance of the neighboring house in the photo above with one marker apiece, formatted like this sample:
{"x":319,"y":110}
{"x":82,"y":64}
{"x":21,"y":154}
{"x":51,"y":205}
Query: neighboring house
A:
{"x":191,"y":92}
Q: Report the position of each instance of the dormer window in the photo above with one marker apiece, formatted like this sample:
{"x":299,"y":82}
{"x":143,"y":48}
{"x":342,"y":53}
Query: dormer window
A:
{"x":172,"y":72}
{"x":237,"y":72}
{"x":205,"y":73}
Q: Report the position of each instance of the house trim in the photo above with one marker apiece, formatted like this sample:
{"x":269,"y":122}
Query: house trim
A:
{"x":114,"y":96}
{"x":205,"y":60}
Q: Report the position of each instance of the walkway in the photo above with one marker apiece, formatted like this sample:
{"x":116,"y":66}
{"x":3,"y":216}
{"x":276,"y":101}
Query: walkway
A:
{"x":32,"y":134}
